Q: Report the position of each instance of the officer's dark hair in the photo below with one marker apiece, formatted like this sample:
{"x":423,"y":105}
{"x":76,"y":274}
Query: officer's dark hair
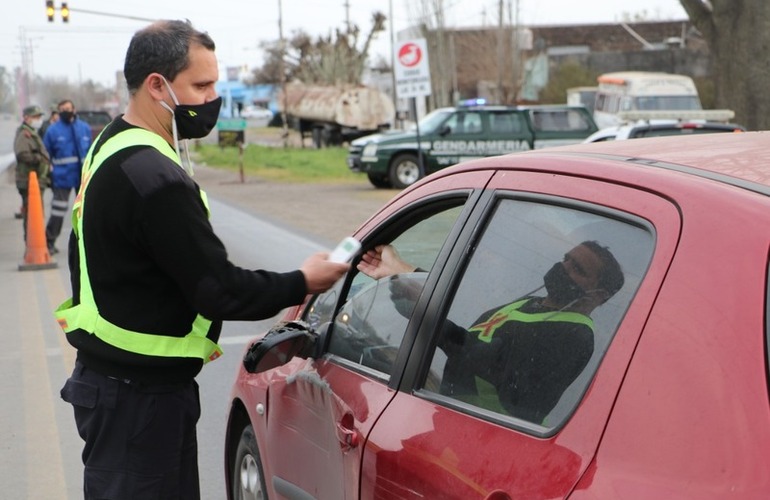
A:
{"x":611,"y":276}
{"x":162,"y":47}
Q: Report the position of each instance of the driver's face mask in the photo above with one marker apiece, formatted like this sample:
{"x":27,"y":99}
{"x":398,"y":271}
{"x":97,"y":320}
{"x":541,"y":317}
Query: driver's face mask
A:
{"x":191,"y":121}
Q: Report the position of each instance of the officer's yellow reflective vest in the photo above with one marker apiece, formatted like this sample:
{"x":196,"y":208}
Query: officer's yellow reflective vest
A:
{"x":85,"y":315}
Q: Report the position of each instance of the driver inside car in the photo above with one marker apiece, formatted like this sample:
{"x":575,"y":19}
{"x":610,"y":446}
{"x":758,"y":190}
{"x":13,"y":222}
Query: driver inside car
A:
{"x":519,"y":358}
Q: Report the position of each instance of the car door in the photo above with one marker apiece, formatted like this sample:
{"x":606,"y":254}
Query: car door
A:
{"x":321,"y":410}
{"x":429,"y":443}
{"x":458,"y":140}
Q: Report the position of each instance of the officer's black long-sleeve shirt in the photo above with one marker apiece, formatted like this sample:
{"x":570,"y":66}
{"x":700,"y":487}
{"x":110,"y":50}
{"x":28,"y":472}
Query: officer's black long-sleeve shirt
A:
{"x":154,"y":263}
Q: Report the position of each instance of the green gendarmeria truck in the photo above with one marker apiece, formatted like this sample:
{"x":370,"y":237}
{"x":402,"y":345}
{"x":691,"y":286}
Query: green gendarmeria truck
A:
{"x":451,"y":135}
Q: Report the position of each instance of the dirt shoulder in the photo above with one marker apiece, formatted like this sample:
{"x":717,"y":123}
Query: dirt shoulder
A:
{"x":324,"y":212}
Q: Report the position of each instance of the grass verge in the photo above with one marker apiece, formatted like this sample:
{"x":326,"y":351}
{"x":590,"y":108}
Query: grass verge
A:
{"x":291,"y":164}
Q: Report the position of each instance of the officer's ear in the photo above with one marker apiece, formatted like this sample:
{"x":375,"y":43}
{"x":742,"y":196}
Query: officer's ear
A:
{"x":155,"y":86}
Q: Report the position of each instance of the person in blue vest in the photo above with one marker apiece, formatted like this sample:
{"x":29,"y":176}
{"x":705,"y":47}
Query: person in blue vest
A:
{"x":151,"y":281}
{"x":518,"y":358}
{"x":67,"y":141}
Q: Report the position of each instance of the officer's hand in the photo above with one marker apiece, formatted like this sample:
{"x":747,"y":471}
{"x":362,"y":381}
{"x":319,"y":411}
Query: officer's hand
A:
{"x":320,"y":274}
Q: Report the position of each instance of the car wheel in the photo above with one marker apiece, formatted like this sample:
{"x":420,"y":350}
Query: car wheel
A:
{"x":248,"y":478}
{"x":379,"y":181}
{"x":404,"y":171}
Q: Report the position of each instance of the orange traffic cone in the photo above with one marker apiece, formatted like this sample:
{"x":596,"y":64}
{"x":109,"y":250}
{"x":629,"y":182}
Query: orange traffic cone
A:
{"x":36,"y":255}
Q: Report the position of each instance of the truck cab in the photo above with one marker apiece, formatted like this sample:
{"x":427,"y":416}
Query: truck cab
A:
{"x":447,"y":136}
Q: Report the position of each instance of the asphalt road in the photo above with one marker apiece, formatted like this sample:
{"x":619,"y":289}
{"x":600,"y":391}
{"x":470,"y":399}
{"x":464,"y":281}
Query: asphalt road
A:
{"x":40,"y":448}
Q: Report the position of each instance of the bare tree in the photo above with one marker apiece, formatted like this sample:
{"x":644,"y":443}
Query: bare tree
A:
{"x":334,"y":59}
{"x":738,"y":36}
{"x":430,"y":17}
{"x":7,"y":94}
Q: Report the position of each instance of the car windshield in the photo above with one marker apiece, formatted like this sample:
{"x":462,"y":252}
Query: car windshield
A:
{"x":432,"y":120}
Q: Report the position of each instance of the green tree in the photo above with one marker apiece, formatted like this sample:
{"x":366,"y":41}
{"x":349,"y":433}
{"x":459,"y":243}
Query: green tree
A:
{"x":738,"y":35}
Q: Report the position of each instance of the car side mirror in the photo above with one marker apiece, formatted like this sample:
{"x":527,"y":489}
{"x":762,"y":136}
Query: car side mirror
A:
{"x":445,"y":130}
{"x":279,"y":345}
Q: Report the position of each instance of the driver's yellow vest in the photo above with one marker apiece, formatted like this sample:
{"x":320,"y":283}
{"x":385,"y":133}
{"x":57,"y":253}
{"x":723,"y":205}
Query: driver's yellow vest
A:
{"x":85,"y":315}
{"x":511,"y":312}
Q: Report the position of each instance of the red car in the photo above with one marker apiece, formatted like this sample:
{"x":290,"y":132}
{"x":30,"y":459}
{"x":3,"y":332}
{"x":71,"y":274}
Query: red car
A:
{"x":587,"y":321}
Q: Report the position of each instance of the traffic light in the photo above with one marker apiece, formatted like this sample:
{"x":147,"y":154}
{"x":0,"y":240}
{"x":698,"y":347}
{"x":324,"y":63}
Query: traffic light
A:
{"x":49,"y":10}
{"x":65,"y":12}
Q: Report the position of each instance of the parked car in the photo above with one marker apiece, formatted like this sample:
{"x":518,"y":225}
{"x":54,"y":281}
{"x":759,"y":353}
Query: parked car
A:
{"x":97,"y":119}
{"x":450,"y":135}
{"x":257,"y":113}
{"x":382,"y":388}
{"x":660,"y":128}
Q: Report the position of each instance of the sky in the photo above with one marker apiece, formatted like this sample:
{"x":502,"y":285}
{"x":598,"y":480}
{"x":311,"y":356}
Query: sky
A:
{"x":93,"y":44}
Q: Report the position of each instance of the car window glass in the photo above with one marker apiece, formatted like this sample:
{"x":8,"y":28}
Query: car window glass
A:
{"x":512,"y":346}
{"x":373,"y":317}
{"x":560,"y":120}
{"x":472,"y":123}
{"x":505,"y":123}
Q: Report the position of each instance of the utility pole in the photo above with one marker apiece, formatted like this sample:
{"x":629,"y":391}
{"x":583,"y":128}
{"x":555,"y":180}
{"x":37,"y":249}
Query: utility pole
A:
{"x":346,"y":4}
{"x":393,"y":63}
{"x":513,"y":12}
{"x":500,"y":58}
{"x":283,"y":76}
{"x":22,"y":82}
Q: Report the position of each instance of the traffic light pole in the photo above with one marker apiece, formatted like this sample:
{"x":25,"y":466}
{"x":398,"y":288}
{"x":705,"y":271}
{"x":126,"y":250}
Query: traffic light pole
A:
{"x":108,"y":14}
{"x":65,"y":10}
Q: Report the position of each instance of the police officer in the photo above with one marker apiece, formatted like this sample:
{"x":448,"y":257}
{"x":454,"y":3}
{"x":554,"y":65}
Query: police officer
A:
{"x":152,"y":283}
{"x":31,"y":156}
{"x":67,"y":141}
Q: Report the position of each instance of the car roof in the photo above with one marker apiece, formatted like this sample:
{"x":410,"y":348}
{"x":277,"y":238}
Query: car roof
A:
{"x":739,"y":159}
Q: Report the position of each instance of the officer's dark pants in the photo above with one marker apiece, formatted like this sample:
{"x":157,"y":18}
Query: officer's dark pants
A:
{"x":24,"y":192}
{"x":59,"y":206}
{"x":24,"y":208}
{"x":140,"y":442}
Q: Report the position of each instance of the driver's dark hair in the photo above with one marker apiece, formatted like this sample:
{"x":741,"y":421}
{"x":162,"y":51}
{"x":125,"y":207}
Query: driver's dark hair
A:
{"x":611,"y":276}
{"x":162,"y":47}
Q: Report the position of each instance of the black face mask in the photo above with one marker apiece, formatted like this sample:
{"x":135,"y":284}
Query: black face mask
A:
{"x":67,"y":116}
{"x":195,"y":121}
{"x":560,"y":287}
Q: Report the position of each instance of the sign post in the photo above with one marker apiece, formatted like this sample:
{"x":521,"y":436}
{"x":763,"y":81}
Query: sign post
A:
{"x":412,"y":73}
{"x":232,"y":132}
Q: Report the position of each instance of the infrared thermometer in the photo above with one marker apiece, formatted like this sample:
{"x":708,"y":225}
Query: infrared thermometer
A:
{"x":345,"y":250}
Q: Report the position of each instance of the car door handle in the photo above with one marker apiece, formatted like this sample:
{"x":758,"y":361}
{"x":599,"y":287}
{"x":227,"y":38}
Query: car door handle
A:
{"x":346,"y":434}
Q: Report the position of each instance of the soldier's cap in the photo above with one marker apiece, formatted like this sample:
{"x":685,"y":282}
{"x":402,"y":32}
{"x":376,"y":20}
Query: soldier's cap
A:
{"x":32,"y":111}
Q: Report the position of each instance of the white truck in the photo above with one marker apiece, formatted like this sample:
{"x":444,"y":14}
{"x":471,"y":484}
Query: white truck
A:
{"x":634,"y":95}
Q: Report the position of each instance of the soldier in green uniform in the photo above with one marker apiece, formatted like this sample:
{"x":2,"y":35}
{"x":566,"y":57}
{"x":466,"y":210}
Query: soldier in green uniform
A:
{"x":31,"y":156}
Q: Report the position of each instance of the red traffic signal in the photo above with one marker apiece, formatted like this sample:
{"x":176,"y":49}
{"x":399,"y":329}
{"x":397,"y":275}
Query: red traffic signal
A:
{"x":65,"y":12}
{"x":49,"y":10}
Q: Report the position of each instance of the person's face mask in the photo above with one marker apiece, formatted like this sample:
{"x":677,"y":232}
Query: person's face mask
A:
{"x":36,"y":122}
{"x":560,"y":286}
{"x":193,"y":121}
{"x":67,"y":116}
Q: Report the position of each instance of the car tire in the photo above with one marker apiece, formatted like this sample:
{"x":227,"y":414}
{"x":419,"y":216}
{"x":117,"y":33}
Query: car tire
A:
{"x":404,"y":171}
{"x":248,"y":478}
{"x":379,"y":181}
